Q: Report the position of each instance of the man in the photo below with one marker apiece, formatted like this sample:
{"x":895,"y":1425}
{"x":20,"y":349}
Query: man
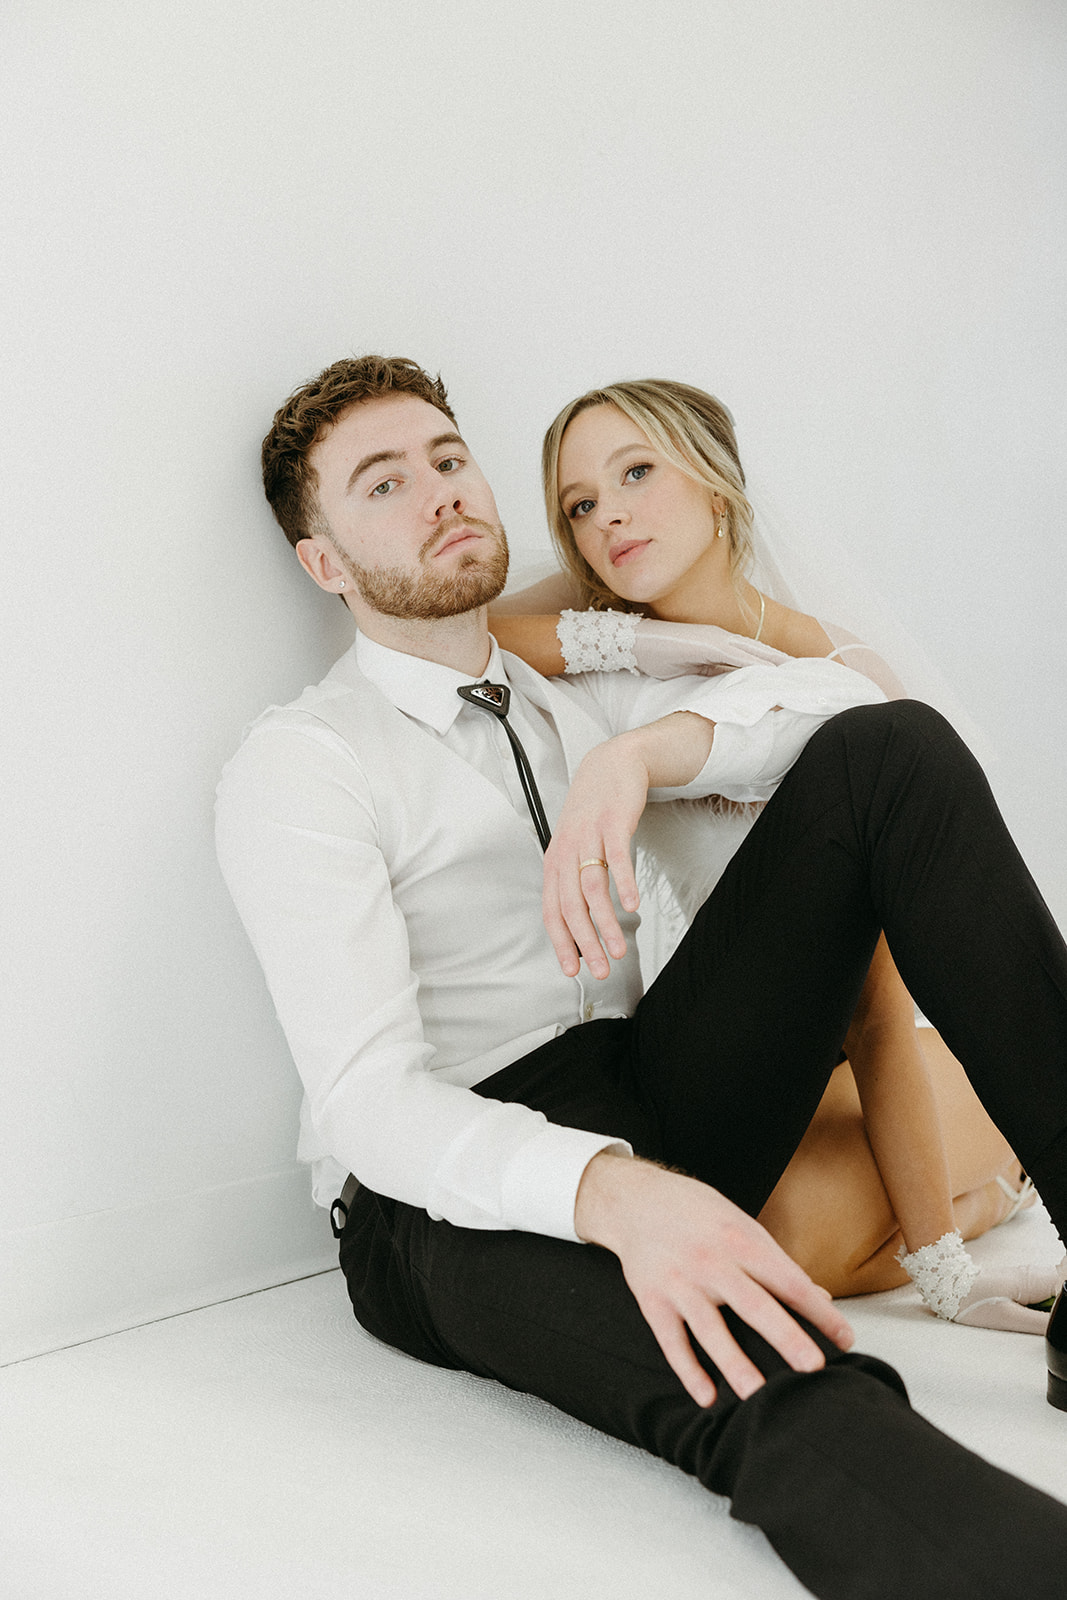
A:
{"x":383,"y":838}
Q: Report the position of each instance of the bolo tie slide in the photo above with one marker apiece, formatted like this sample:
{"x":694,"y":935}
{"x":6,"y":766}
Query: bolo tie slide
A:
{"x":496,"y":699}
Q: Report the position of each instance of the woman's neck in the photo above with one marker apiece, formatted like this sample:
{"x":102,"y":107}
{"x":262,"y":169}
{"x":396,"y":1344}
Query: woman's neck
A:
{"x":711,"y":597}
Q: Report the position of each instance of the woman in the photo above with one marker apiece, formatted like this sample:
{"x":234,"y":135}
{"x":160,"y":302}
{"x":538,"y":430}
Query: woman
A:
{"x":647,"y":506}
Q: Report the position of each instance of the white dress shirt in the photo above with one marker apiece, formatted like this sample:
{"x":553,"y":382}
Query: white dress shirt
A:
{"x":378,"y":846}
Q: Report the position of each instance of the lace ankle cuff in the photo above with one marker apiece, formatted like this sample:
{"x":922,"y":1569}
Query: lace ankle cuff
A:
{"x":598,"y":641}
{"x":943,"y":1273}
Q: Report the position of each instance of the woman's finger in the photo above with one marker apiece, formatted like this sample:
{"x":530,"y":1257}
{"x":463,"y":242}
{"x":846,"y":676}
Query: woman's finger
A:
{"x":575,"y":909}
{"x":621,"y":867}
{"x":574,"y":930}
{"x":555,"y":923}
{"x":596,"y":889}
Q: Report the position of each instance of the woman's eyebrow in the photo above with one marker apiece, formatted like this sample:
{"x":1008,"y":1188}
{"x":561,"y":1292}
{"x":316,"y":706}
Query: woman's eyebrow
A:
{"x":623,"y":450}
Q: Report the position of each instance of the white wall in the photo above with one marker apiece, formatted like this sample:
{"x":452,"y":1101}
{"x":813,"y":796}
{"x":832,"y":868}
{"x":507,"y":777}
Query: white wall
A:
{"x":845,"y":218}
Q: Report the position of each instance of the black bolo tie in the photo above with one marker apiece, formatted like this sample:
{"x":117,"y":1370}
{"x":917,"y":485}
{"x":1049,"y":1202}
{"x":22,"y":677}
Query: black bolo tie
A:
{"x":496,"y":698}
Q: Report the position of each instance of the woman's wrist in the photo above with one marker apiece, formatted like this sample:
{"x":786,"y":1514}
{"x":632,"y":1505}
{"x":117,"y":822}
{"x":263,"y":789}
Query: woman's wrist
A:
{"x":598,"y":641}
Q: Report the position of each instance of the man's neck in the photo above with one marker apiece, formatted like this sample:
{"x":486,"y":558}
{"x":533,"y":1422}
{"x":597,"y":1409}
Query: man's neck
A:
{"x":461,"y":642}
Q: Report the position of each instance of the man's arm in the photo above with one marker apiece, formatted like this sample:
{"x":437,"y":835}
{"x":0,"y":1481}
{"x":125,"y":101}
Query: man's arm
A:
{"x":300,"y":848}
{"x":685,"y":1251}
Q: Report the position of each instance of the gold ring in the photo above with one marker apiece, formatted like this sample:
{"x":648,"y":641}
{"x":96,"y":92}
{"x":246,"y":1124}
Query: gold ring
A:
{"x":594,"y":861}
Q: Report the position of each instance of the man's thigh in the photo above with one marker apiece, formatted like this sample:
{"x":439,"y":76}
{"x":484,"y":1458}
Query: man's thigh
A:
{"x":543,"y":1316}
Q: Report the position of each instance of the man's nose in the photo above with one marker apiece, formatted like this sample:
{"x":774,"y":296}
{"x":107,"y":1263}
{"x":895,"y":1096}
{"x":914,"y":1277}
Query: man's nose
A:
{"x":443,"y":502}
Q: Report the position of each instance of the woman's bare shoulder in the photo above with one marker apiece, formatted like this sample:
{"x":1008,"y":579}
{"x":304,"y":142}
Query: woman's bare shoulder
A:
{"x":795,"y":632}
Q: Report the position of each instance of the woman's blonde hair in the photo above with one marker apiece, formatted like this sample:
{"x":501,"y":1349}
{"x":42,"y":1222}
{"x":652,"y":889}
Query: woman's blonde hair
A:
{"x":694,"y":431}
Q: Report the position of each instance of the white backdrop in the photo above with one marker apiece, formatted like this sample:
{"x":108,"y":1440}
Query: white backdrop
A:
{"x":845,"y":218}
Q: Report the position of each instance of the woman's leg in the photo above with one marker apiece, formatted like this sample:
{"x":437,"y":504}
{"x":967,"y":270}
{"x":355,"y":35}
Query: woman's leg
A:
{"x":830,"y":1210}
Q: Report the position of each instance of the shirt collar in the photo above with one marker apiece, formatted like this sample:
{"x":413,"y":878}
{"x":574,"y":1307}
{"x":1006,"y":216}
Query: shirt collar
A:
{"x":425,"y":690}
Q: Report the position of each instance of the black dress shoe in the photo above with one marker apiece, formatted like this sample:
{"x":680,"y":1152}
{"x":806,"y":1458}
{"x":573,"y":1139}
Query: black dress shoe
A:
{"x":1056,"y":1353}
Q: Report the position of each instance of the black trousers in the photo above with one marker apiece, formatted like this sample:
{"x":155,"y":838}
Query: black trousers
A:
{"x":886,"y":821}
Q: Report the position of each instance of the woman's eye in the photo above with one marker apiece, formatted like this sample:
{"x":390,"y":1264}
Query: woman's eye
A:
{"x":635,"y":474}
{"x":581,"y":509}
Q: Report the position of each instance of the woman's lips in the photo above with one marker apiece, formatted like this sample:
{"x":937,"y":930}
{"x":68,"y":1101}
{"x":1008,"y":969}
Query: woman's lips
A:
{"x":626,"y":552}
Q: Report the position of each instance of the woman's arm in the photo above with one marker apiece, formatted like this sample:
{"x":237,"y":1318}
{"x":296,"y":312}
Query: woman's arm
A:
{"x":616,"y":641}
{"x":528,"y":624}
{"x":525,"y":622}
{"x":555,"y":593}
{"x":531,"y":637}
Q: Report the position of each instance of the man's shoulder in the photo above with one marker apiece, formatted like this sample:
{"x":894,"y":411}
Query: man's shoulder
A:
{"x":340,"y":719}
{"x":344,"y":694}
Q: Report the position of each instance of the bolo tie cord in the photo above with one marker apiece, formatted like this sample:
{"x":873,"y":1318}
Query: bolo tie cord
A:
{"x":495,"y":698}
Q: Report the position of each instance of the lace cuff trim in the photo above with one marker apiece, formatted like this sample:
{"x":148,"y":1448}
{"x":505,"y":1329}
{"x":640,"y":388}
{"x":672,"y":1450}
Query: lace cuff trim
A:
{"x":943,"y":1273}
{"x":598,"y":641}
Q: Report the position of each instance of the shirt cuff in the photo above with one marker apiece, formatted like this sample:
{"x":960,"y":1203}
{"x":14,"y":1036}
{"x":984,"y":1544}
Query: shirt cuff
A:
{"x":540,"y":1185}
{"x":734,"y":750}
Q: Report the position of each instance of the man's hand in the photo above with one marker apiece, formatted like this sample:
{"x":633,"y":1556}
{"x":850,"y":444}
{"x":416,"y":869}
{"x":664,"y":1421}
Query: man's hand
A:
{"x":596,"y":824}
{"x":685,"y":1251}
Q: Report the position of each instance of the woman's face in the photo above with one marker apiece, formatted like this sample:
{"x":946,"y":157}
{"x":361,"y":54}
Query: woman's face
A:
{"x":646,"y":529}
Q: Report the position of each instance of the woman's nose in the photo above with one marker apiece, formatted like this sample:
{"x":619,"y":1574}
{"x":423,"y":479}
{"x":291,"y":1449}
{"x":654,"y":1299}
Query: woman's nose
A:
{"x":609,"y":514}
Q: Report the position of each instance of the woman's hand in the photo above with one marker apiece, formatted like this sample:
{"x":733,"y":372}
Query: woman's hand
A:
{"x":598,"y":820}
{"x":591,"y":841}
{"x":685,"y":1252}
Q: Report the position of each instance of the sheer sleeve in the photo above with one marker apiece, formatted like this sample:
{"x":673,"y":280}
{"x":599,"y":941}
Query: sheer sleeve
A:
{"x":852,"y":652}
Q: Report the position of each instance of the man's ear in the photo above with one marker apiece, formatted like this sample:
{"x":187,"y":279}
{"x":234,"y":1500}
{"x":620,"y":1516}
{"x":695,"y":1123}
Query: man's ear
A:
{"x":319,"y":560}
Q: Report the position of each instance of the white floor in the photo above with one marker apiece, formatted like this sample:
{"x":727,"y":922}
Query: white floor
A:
{"x":267,"y":1447}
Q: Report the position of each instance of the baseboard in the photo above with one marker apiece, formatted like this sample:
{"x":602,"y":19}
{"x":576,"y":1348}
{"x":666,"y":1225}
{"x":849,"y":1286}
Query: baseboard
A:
{"x":84,"y":1277}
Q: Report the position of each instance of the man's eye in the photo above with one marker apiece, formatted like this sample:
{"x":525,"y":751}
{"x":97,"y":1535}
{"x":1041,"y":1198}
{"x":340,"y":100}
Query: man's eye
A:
{"x":383,"y":488}
{"x":635,"y":474}
{"x":450,"y":464}
{"x":582,"y":508}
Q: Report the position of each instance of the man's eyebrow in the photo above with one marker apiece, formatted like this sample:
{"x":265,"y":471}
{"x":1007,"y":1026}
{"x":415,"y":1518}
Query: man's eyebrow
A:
{"x":379,"y":456}
{"x":372,"y":461}
{"x":623,"y":450}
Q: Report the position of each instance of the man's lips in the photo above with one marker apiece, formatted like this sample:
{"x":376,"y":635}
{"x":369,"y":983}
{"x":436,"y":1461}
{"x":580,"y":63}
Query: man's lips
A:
{"x":619,"y":554}
{"x":458,"y":536}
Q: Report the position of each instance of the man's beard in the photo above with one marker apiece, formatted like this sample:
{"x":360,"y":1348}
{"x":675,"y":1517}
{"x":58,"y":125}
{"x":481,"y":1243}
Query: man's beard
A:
{"x":426,"y":595}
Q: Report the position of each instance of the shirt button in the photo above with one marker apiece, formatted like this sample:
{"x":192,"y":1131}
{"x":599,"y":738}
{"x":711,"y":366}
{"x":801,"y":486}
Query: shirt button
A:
{"x":588,"y":1013}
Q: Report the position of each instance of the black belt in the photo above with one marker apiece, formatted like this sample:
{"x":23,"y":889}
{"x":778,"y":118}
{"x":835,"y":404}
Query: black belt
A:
{"x":343,"y":1205}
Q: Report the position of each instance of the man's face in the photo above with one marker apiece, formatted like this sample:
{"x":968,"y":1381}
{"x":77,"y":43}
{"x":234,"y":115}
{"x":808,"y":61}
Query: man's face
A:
{"x":411,"y":519}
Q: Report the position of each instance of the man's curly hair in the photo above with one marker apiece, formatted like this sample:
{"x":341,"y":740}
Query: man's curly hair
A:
{"x":290,"y":482}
